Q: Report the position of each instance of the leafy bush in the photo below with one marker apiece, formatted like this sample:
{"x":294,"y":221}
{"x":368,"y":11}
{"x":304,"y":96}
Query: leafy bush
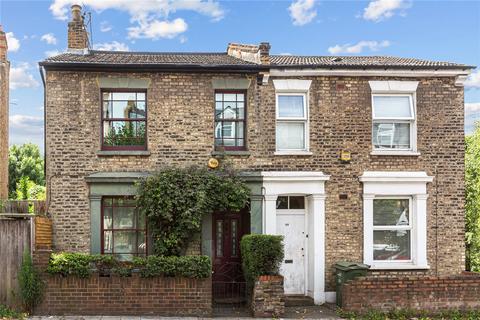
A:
{"x":174,"y":201}
{"x":82,"y":265}
{"x":31,"y":285}
{"x":184,"y":266}
{"x":262,"y":254}
{"x":406,"y":314}
{"x":7,"y":313}
{"x":472,"y":197}
{"x":64,"y":263}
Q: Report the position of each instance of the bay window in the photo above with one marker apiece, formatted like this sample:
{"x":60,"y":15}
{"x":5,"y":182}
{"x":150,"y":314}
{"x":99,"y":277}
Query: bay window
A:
{"x":124,"y":120}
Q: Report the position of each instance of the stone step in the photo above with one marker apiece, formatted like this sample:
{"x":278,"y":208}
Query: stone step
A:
{"x":298,"y":300}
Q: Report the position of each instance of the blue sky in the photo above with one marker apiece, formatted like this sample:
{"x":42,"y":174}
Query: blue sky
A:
{"x":438,"y":30}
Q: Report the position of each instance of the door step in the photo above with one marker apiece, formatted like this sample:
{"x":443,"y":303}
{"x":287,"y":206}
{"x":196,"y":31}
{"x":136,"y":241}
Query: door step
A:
{"x":298,"y":300}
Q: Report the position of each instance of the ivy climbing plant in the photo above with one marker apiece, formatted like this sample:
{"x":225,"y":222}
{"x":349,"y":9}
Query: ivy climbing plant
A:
{"x":174,"y":200}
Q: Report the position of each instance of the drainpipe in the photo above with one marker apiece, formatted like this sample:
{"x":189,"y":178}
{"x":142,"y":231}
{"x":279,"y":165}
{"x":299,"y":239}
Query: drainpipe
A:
{"x":42,"y":75}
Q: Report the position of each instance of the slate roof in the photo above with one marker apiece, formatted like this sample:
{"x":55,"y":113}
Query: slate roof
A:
{"x":221,"y":60}
{"x":359,"y":62}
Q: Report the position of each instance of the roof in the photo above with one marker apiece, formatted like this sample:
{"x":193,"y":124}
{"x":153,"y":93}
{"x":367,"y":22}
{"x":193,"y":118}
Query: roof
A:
{"x":192,"y":60}
{"x":222,"y":61}
{"x":360,"y":62}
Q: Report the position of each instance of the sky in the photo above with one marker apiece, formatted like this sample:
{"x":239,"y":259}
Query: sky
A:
{"x":436,"y":30}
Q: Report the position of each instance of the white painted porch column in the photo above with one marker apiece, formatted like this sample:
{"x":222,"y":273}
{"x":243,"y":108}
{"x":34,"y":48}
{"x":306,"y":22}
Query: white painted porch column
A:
{"x":270,"y":215}
{"x":317,"y":213}
{"x":367,"y":223}
{"x":420,"y":215}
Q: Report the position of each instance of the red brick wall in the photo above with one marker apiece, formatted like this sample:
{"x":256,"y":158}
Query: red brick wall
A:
{"x":427,"y":293}
{"x":126,"y":296}
{"x":268,"y":299}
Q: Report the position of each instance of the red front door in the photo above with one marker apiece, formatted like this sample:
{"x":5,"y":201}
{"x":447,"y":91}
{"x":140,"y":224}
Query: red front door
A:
{"x":228,"y":229}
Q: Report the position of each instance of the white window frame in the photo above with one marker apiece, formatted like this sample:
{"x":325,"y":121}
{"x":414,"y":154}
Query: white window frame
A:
{"x":396,"y":89}
{"x":397,"y":185}
{"x":410,"y":228}
{"x":304,"y":120}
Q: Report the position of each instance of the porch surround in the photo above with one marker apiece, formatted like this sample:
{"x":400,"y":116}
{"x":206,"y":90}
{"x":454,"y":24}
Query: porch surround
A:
{"x":312,"y":185}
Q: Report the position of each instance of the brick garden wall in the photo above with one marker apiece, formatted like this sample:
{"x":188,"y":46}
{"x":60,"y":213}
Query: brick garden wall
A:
{"x":126,"y":296}
{"x":268,"y":298}
{"x":180,"y":132}
{"x":427,"y":293}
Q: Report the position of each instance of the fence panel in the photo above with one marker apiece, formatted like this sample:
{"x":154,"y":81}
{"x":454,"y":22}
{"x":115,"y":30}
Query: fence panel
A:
{"x":15,"y":238}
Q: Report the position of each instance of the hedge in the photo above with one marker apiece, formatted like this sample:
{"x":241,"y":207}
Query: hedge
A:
{"x":82,"y":265}
{"x":262,"y":254}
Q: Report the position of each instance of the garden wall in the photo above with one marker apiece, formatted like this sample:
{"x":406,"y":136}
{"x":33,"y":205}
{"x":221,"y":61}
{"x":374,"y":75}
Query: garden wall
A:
{"x":97,"y":295}
{"x":427,"y":293}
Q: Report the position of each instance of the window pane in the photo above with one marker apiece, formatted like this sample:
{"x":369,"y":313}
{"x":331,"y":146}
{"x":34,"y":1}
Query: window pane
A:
{"x":234,"y":238}
{"x":218,"y":110}
{"x":141,"y":243}
{"x":240,"y":97}
{"x":391,"y":212}
{"x":297,"y":202}
{"x":282,"y":202}
{"x":107,"y":242}
{"x":391,"y":135}
{"x":219,"y":240}
{"x":125,"y":242}
{"x":141,"y":96}
{"x":124,"y":218}
{"x":124,"y":133}
{"x":391,"y":245}
{"x":142,"y":224}
{"x":107,"y":218}
{"x":392,"y":107}
{"x":229,"y":97}
{"x":290,"y":106}
{"x":218,"y":96}
{"x":123,"y":96}
{"x":240,"y":110}
{"x":229,"y":110}
{"x":290,"y":135}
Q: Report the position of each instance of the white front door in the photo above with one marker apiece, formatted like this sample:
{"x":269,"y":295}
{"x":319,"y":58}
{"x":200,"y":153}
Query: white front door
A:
{"x":291,"y":225}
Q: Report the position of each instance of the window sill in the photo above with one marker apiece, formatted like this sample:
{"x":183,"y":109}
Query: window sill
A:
{"x":293,"y":153}
{"x":395,"y":153}
{"x":106,"y":153}
{"x":400,"y":266}
{"x":231,"y":153}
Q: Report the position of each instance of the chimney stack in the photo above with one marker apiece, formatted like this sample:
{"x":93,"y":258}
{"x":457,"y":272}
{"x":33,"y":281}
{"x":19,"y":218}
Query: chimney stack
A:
{"x":4,"y":88}
{"x":77,"y":33}
{"x":252,"y":53}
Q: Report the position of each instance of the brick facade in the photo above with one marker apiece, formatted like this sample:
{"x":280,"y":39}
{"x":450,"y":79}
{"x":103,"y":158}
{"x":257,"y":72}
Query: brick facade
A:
{"x":126,"y":296}
{"x":4,"y":102}
{"x":268,"y":298}
{"x":180,"y":132}
{"x":428,"y":294}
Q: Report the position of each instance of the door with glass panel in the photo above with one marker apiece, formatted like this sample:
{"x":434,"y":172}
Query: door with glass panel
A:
{"x":228,"y":281}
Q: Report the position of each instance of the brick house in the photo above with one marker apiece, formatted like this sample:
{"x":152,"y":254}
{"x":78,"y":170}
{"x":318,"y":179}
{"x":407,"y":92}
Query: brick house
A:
{"x":350,"y":158}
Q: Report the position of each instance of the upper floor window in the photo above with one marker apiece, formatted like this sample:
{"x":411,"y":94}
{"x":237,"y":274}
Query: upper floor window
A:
{"x":292,"y":122}
{"x":124,"y":120}
{"x":393,"y":121}
{"x":124,"y":231}
{"x":230,"y":120}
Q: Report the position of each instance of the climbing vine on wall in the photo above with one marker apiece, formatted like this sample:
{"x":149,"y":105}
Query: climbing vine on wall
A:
{"x":174,"y":201}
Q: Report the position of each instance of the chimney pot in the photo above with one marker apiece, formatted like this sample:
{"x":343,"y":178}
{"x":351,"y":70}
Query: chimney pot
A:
{"x":76,"y":12}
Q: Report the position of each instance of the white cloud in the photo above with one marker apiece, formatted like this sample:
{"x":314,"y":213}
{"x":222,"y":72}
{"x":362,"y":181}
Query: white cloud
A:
{"x":51,"y":53}
{"x":158,"y":29}
{"x":473,"y":80}
{"x":49,"y":38}
{"x":111,"y":46}
{"x":358,"y":48}
{"x":150,"y":19}
{"x":26,"y":128}
{"x":20,"y":77}
{"x":378,"y":10}
{"x":302,"y":11}
{"x":105,"y":26}
{"x":472,"y":115}
{"x":13,"y":43}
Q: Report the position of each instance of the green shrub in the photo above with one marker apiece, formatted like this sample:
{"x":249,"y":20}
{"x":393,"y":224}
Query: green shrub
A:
{"x":406,"y":314}
{"x":7,"y":313}
{"x":174,"y":200}
{"x":262,"y":254}
{"x":183,"y":266}
{"x":78,"y":264}
{"x":81,"y":265}
{"x":31,"y":285}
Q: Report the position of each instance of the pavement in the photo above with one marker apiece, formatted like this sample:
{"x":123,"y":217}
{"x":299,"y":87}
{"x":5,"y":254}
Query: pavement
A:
{"x":312,"y":312}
